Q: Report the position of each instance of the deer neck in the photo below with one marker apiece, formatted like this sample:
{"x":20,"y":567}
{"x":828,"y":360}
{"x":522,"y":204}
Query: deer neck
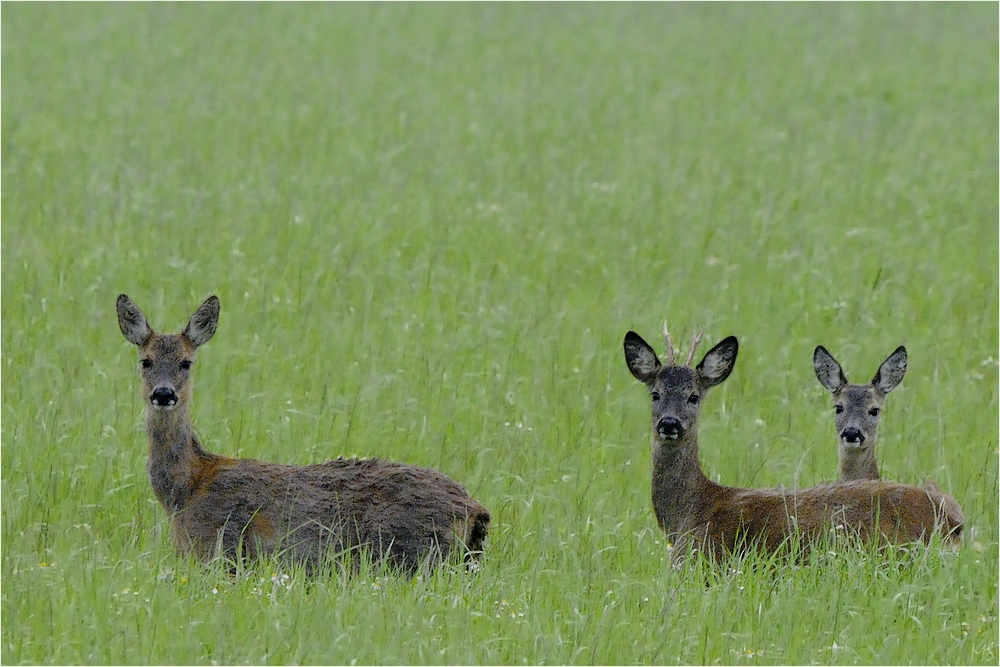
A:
{"x":174,"y":455}
{"x":679,"y":485}
{"x":858,"y":464}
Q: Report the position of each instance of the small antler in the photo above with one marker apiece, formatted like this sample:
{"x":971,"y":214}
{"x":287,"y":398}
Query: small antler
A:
{"x":670,"y":345}
{"x":694,"y":346}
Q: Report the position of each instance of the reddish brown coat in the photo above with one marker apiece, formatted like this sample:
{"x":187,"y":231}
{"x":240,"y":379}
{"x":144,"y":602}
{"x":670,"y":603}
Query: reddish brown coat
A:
{"x":698,"y":513}
{"x":406,"y":514}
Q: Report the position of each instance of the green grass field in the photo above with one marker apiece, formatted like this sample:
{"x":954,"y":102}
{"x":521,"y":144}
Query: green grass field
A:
{"x":430,"y":227}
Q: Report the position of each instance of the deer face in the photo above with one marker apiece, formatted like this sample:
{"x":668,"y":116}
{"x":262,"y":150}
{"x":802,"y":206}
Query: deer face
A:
{"x":857,"y":411}
{"x":676,"y":392}
{"x":676,"y":401}
{"x":858,"y":407}
{"x":166,"y":360}
{"x":165,"y":366}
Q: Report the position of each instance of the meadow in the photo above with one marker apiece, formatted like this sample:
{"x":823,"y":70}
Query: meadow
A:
{"x":430,"y":227}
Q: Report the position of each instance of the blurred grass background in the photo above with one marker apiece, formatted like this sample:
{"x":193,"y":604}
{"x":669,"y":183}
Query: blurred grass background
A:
{"x":430,"y":227}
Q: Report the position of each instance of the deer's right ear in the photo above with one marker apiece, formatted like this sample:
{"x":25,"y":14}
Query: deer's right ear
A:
{"x":640,"y":357}
{"x":828,"y":371}
{"x":201,"y":326}
{"x":132,"y":322}
{"x":719,"y":361}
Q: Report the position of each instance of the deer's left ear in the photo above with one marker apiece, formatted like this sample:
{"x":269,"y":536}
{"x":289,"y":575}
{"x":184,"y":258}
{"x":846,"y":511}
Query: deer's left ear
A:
{"x":718,"y":362}
{"x":891,"y":372}
{"x":201,"y":326}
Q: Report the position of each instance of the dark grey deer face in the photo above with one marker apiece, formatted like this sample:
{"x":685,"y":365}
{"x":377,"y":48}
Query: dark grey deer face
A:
{"x":166,"y":359}
{"x":677,"y":391}
{"x":858,"y":407}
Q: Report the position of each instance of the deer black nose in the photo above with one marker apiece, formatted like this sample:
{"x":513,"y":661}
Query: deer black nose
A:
{"x":669,"y":428}
{"x":163,"y":397}
{"x":853,"y":436}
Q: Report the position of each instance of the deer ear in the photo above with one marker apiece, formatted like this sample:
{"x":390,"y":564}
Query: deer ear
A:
{"x":640,"y":357}
{"x":718,"y":362}
{"x":132,"y":322}
{"x":201,"y":326}
{"x":828,"y":371}
{"x":891,"y":372}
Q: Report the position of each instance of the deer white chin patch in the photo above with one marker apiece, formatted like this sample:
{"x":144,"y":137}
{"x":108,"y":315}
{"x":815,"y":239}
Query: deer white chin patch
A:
{"x":671,"y":436}
{"x":852,"y":445}
{"x":157,"y":406}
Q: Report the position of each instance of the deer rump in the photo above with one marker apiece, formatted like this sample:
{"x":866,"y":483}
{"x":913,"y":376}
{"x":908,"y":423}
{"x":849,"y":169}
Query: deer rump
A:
{"x":868,"y":510}
{"x":401,"y":513}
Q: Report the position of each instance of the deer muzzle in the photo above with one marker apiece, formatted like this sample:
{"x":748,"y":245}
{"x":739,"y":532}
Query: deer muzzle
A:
{"x":853,"y":436}
{"x":669,"y":428}
{"x":163,"y":398}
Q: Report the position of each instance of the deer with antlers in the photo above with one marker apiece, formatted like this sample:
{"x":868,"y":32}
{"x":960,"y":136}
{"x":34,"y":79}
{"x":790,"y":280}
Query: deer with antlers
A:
{"x":699,"y":514}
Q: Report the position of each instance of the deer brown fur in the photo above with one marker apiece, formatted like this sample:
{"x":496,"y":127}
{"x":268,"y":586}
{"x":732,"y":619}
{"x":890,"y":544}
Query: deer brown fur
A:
{"x":401,"y":513}
{"x":697,"y":513}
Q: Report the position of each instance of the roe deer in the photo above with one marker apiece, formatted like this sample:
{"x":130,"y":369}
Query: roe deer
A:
{"x":697,"y":513}
{"x":858,"y":409}
{"x":403,"y":514}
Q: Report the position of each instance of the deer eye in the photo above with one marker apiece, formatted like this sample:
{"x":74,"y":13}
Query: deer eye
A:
{"x":656,"y":396}
{"x":186,"y":364}
{"x":873,"y":412}
{"x":838,"y":409}
{"x":147,"y":363}
{"x":693,"y":399}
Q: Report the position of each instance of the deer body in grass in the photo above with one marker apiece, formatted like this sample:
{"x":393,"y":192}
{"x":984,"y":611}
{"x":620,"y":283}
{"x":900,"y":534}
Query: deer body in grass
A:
{"x":242,"y":508}
{"x":720,"y":520}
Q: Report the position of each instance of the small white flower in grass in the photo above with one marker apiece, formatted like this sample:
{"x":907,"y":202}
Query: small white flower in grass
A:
{"x":835,"y":647}
{"x":607,"y":188}
{"x":283,"y":580}
{"x":760,"y":422}
{"x":215,"y":591}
